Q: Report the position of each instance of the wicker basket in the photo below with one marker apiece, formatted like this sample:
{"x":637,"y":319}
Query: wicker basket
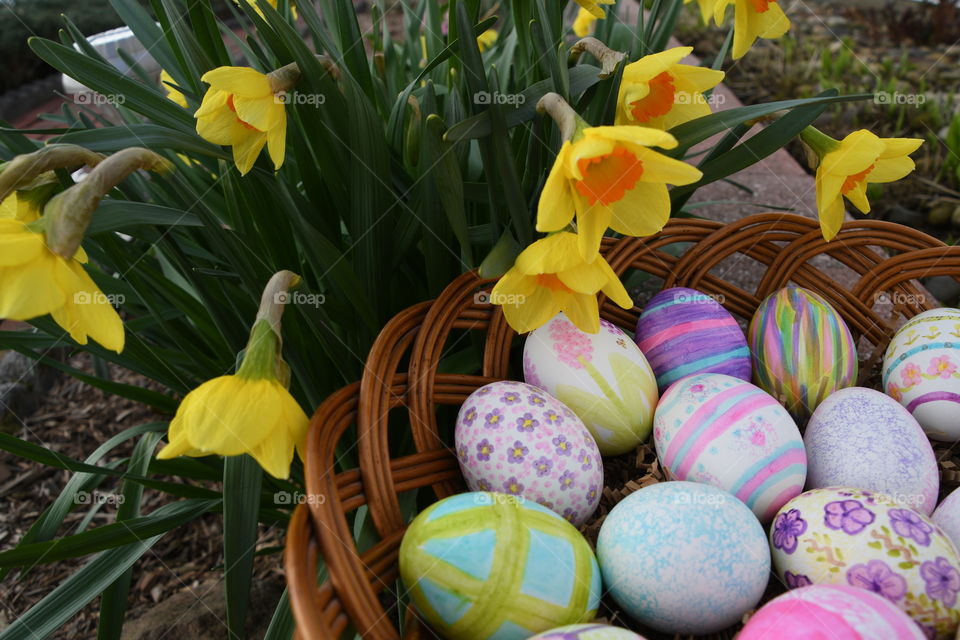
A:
{"x":401,"y":373}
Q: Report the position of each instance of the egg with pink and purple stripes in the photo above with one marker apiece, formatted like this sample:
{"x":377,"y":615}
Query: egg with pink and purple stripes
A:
{"x":723,"y":431}
{"x":921,"y":371}
{"x":683,"y":331}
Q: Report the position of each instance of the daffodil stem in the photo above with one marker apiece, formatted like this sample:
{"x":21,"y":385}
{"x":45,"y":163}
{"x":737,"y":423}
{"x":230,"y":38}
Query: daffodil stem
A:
{"x":275,"y":297}
{"x":262,"y":357}
{"x":67,"y":215}
{"x":562,"y":113}
{"x":23,"y":169}
{"x":609,"y":59}
{"x":286,"y":77}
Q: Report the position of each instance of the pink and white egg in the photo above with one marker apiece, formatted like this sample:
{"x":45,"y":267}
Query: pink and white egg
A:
{"x":514,"y":438}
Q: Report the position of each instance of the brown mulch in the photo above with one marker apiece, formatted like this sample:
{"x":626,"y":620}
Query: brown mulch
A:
{"x":74,"y":419}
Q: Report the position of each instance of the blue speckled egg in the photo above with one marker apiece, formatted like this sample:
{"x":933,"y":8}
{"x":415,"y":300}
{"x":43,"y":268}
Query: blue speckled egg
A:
{"x":675,"y":548}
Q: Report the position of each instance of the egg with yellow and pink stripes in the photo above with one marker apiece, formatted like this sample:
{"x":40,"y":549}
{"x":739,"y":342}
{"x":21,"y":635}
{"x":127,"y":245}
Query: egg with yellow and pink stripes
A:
{"x":723,"y":431}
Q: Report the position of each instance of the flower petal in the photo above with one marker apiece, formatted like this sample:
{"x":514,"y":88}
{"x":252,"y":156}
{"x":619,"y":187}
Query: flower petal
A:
{"x":583,"y":311}
{"x":242,"y":81}
{"x":555,"y":209}
{"x":642,"y":211}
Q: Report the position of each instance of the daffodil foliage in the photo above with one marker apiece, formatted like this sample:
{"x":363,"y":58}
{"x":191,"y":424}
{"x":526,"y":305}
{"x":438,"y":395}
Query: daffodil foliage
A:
{"x":377,"y":157}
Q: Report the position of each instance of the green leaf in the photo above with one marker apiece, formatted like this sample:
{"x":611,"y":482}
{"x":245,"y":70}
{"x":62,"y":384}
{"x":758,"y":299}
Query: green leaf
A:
{"x":114,"y":214}
{"x":242,"y":478}
{"x":282,"y":624}
{"x":151,"y":136}
{"x":501,"y":257}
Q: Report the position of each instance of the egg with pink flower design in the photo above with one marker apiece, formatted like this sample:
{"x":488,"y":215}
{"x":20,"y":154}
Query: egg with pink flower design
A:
{"x":869,"y":541}
{"x":514,"y":438}
{"x":921,"y":371}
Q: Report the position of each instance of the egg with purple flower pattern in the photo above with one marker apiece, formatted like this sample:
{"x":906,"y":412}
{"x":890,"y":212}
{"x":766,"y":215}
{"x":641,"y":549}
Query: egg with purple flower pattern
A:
{"x":514,"y":438}
{"x":867,"y":540}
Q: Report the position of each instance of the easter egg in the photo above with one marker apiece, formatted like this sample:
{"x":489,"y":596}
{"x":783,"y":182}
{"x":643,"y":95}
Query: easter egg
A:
{"x":802,"y":350}
{"x":947,"y":517}
{"x":587,"y":632}
{"x":683,"y":557}
{"x":488,"y":565}
{"x":723,"y":431}
{"x":921,"y":371}
{"x":825,"y":611}
{"x":865,"y":540}
{"x":513,"y":438}
{"x":862,"y":438}
{"x":602,"y":377}
{"x":683,"y":331}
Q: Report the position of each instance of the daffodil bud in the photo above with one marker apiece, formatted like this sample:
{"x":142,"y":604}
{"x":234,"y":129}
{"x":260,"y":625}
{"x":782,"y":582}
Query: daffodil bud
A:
{"x":24,"y":170}
{"x":67,"y":215}
{"x":609,"y":59}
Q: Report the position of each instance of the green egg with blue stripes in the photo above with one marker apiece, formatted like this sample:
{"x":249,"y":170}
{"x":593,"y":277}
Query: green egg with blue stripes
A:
{"x":484,"y":565}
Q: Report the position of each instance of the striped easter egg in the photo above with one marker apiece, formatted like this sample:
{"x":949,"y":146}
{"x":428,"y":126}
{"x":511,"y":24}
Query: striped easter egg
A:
{"x":723,"y":431}
{"x":921,"y":371}
{"x":683,"y":331}
{"x":802,"y":349}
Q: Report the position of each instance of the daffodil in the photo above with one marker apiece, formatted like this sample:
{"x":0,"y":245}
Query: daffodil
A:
{"x":244,"y":109}
{"x":847,"y":166}
{"x":752,"y":19}
{"x":251,"y":411}
{"x":18,"y":208}
{"x":657,"y":91}
{"x":595,"y":7}
{"x":583,"y":23}
{"x":706,"y":8}
{"x":551,"y":276}
{"x":610,"y":177}
{"x":487,"y":39}
{"x":173,"y":94}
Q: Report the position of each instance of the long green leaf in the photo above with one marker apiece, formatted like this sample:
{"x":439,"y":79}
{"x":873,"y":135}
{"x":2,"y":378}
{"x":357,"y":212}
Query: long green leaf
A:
{"x":241,"y":482}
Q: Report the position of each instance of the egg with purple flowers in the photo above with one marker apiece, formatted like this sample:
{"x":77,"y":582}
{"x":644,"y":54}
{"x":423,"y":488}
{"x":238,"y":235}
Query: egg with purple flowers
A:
{"x":865,"y":540}
{"x":683,"y":331}
{"x":514,"y":438}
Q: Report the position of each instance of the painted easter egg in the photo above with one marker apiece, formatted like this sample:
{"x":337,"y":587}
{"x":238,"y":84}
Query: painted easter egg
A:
{"x":488,"y":565}
{"x":921,"y":371}
{"x":602,"y":377}
{"x":723,"y":431}
{"x":862,"y":438}
{"x":683,"y":331}
{"x":683,"y":557}
{"x":802,"y":350}
{"x":514,"y":438}
{"x":865,"y":540}
{"x":947,"y":517}
{"x":830,"y":611}
{"x":587,"y":632}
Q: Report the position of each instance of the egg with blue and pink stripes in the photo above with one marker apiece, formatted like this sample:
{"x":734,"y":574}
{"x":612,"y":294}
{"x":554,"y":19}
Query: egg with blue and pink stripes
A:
{"x":683,"y":331}
{"x":723,"y":431}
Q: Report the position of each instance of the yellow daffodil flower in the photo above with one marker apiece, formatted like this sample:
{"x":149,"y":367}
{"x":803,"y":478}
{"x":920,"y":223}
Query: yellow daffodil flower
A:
{"x":583,"y":24}
{"x":36,"y":281}
{"x":706,"y":8}
{"x":250,"y":412}
{"x":610,"y":177}
{"x":848,"y":166}
{"x":753,"y":19}
{"x":242,"y":109}
{"x":487,"y":39}
{"x":21,"y":209}
{"x":657,"y":91}
{"x":172,"y":94}
{"x":594,"y":7}
{"x":551,"y":276}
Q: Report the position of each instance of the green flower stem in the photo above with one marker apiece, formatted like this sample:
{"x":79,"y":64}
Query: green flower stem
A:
{"x":25,"y":169}
{"x":821,"y":143}
{"x":262,"y":357}
{"x":605,"y":387}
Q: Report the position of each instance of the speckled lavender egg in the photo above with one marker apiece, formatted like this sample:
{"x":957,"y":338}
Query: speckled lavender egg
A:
{"x":863,"y":438}
{"x":947,"y":517}
{"x":514,"y":438}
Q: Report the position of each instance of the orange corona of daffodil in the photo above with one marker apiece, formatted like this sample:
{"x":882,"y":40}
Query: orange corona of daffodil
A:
{"x":595,"y":7}
{"x":610,"y":177}
{"x":706,"y":8}
{"x":753,"y":19}
{"x":487,"y":39}
{"x":250,"y":412}
{"x":848,"y":166}
{"x":551,"y":276}
{"x":657,"y":91}
{"x":242,"y":109}
{"x":583,"y":24}
{"x":172,"y":94}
